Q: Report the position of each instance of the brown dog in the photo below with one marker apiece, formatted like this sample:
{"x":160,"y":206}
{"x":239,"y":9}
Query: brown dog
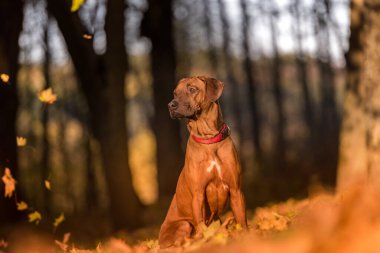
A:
{"x":212,"y":169}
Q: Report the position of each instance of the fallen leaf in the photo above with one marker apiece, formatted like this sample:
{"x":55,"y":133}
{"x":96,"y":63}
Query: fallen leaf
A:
{"x":10,"y":183}
{"x":21,"y":206}
{"x":238,"y":227}
{"x":99,"y":248}
{"x":21,"y":141}
{"x":47,"y":96}
{"x":151,"y":244}
{"x":63,"y":244}
{"x":47,"y":185}
{"x":211,"y":230}
{"x":117,"y":245}
{"x":59,"y":220}
{"x":76,"y":4}
{"x":4,"y":78}
{"x":35,"y":217}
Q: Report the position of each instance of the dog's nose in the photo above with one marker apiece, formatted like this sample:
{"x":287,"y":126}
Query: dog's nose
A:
{"x":173,"y":104}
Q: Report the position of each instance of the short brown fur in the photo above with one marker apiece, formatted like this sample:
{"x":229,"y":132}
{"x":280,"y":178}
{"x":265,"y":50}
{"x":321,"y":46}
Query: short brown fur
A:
{"x":211,"y":172}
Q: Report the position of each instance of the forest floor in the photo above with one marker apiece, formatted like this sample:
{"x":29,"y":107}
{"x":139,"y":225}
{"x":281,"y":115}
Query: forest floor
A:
{"x":324,"y":222}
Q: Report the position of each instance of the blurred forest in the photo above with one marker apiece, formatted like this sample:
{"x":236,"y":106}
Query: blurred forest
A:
{"x":107,"y":145}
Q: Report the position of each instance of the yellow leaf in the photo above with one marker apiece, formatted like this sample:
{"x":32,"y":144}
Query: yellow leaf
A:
{"x":87,"y":36}
{"x":47,"y":185}
{"x":10,"y":183}
{"x":221,"y":238}
{"x":22,"y":206}
{"x":21,"y":141}
{"x":35,"y":217}
{"x":211,"y":230}
{"x":47,"y":96}
{"x":4,"y":78}
{"x":76,"y":4}
{"x":59,"y":220}
{"x":238,"y":227}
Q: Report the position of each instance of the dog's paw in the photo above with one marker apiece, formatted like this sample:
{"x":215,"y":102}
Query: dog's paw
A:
{"x":199,"y":230}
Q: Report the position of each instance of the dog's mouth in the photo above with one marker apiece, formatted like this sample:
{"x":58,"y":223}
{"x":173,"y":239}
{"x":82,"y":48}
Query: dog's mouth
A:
{"x":175,"y":115}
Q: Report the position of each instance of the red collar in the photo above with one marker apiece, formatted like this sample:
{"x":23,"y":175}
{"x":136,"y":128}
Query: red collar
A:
{"x":223,"y":134}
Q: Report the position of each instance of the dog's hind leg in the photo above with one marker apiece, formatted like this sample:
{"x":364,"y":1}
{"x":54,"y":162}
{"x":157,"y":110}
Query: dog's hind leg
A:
{"x":175,"y":233}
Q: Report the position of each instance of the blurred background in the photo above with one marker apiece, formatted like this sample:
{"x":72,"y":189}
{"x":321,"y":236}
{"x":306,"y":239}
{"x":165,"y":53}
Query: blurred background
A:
{"x":108,"y":146}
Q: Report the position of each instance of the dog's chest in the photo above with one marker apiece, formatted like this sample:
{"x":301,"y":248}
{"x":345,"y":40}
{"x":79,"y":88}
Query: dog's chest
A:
{"x":214,"y":169}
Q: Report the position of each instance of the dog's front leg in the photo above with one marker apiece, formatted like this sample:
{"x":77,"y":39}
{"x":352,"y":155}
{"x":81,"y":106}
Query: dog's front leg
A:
{"x":238,"y":207}
{"x":198,"y":206}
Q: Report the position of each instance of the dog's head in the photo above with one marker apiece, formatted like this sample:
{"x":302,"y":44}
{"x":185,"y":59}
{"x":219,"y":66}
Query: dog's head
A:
{"x":194,"y":94}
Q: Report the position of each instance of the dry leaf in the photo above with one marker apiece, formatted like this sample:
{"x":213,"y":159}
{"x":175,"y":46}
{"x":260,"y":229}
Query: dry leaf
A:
{"x":87,"y":36}
{"x":47,"y":96}
{"x":59,"y":220}
{"x":4,"y":78}
{"x":63,"y":245}
{"x":21,"y":141}
{"x":238,"y":227}
{"x":21,"y":206}
{"x":10,"y":183}
{"x":35,"y":217}
{"x":47,"y":185}
{"x":117,"y":245}
{"x":76,"y":4}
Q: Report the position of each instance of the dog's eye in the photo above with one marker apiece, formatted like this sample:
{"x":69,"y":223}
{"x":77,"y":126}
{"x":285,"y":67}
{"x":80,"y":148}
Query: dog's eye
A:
{"x":192,"y":89}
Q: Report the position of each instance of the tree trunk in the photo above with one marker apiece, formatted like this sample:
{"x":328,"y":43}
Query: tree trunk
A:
{"x":308,"y":111}
{"x":212,"y":52}
{"x":328,"y":136}
{"x":157,"y":25}
{"x":278,"y":95}
{"x":11,"y":16}
{"x":234,"y":96}
{"x":102,"y":81}
{"x":251,"y":82}
{"x":359,"y":140}
{"x":45,"y":119}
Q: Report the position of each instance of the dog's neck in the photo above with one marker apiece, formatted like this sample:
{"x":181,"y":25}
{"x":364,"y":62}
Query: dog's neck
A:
{"x":208,"y":123}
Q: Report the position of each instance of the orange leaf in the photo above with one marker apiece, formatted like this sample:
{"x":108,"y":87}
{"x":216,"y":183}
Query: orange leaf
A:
{"x":10,"y":183}
{"x":35,"y":217}
{"x":4,"y":78}
{"x":59,"y":220}
{"x":63,"y":244}
{"x":21,"y":141}
{"x":87,"y":36}
{"x":22,"y":206}
{"x":47,"y":185}
{"x":47,"y":96}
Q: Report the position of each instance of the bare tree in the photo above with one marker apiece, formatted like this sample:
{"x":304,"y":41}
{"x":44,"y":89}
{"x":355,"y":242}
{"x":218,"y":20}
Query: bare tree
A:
{"x":157,"y":25}
{"x":302,"y":66}
{"x":45,"y":115}
{"x":229,"y":66}
{"x":278,"y":91}
{"x":359,"y":139}
{"x":11,"y":16}
{"x":327,"y":146}
{"x":213,"y":53}
{"x":249,"y":68}
{"x":102,"y":81}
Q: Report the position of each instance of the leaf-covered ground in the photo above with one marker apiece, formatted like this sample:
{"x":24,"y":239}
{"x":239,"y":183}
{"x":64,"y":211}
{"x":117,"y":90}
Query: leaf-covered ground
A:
{"x":348,"y":222}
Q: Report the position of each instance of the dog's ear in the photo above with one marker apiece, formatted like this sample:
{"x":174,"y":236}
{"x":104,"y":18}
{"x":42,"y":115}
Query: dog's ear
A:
{"x":214,"y":87}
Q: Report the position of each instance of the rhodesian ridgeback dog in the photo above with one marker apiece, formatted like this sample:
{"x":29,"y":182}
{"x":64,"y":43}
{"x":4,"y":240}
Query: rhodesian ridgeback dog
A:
{"x":211,"y":172}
